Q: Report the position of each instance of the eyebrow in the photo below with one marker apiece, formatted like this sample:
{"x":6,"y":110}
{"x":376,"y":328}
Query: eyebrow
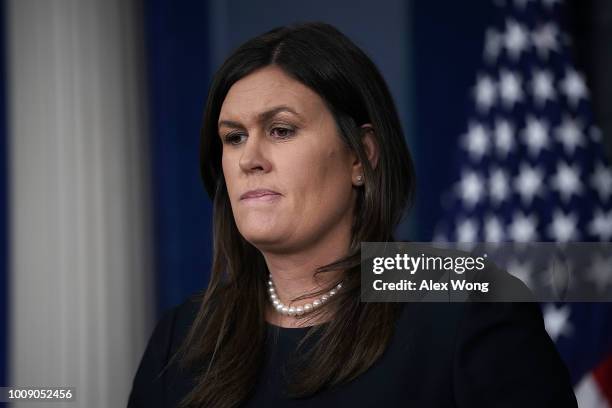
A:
{"x":261,"y":117}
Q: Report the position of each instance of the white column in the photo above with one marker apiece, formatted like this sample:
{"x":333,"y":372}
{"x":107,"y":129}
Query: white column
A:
{"x":80,"y":204}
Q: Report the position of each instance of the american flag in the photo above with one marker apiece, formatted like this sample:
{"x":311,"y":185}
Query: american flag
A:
{"x":531,"y":167}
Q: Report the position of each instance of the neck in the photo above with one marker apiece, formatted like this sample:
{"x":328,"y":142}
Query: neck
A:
{"x":293,"y":275}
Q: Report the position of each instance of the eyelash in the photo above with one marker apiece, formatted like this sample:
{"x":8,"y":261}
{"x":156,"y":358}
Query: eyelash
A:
{"x":231,"y":137}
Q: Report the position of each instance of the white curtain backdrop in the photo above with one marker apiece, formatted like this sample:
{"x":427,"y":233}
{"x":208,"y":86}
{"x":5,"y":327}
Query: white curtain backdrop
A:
{"x":80,"y":278}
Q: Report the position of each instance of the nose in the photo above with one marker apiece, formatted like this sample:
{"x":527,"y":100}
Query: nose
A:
{"x":254,"y":157}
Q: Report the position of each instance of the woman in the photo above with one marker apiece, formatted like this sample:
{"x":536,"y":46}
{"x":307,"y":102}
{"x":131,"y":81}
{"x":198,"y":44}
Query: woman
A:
{"x":303,"y":155}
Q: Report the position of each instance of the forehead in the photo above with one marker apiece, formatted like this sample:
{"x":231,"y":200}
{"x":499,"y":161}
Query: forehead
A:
{"x":265,"y":88}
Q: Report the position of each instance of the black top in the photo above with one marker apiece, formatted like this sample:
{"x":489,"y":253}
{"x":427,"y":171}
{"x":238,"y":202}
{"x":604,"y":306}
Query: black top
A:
{"x":442,"y":355}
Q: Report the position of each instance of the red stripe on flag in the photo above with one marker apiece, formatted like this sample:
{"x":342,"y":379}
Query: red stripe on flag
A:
{"x":603,"y":376}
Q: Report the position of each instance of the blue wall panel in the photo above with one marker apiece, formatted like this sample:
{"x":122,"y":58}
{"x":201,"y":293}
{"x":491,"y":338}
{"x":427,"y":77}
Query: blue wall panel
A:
{"x":178,"y":78}
{"x":448,"y":39}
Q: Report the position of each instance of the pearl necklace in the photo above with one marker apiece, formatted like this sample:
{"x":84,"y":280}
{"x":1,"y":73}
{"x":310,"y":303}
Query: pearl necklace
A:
{"x":300,"y":310}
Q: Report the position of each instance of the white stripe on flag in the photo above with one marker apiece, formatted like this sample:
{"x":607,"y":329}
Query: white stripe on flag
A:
{"x":589,"y":395}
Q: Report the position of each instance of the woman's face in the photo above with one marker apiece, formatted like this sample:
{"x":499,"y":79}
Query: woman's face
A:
{"x":288,"y":174}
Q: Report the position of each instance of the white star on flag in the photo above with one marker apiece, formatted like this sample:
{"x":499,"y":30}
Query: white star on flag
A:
{"x":523,"y":228}
{"x":493,"y":44}
{"x":516,"y":39}
{"x":567,"y":181}
{"x":498,"y":185}
{"x":601,"y":180}
{"x":600,"y":272}
{"x":476,"y":141}
{"x":521,"y":270}
{"x":504,"y":137}
{"x":570,"y":135}
{"x":535,"y":135}
{"x":556,"y":321}
{"x":563,"y":227}
{"x":467,"y":231}
{"x":471,"y":188}
{"x":601,"y":225}
{"x":485,"y":93}
{"x":494,"y":231}
{"x":574,"y":87}
{"x":510,"y":88}
{"x":542,"y":87}
{"x":544,"y":38}
{"x":557,"y":275}
{"x":528,"y":183}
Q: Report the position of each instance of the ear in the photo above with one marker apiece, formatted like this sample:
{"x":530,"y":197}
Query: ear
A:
{"x":368,"y":139}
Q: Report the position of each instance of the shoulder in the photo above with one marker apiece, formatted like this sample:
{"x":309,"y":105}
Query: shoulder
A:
{"x":178,"y":320}
{"x":452,"y":315}
{"x":488,"y":352}
{"x":503,"y":352}
{"x":174,"y":324}
{"x":153,"y":377}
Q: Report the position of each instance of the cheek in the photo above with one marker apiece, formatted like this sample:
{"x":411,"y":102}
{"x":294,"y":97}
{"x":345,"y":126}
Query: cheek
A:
{"x":231,"y":177}
{"x":326,"y":182}
{"x":229,"y":172}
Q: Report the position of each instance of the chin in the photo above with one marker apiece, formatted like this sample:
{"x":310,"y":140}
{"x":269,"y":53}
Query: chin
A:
{"x":261,"y":236}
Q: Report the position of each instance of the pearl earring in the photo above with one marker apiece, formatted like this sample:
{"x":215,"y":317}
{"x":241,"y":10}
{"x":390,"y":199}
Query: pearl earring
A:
{"x":360,"y":179}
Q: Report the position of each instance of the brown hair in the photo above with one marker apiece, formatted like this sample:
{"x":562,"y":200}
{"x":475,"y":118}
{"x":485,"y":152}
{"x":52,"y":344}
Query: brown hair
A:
{"x":226,"y":343}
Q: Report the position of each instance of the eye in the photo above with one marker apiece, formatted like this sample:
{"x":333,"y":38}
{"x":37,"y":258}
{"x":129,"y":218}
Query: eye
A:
{"x":282,"y":132}
{"x":234,"y":138}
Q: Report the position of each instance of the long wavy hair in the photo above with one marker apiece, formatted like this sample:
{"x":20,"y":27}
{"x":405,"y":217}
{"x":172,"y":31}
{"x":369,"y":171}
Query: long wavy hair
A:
{"x":225,"y":345}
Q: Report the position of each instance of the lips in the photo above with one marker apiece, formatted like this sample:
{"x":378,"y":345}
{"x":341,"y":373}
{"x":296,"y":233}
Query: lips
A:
{"x":258,"y":194}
